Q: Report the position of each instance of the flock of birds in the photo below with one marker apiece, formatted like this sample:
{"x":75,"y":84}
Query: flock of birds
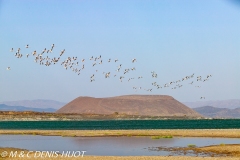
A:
{"x":78,"y":65}
{"x":73,"y":63}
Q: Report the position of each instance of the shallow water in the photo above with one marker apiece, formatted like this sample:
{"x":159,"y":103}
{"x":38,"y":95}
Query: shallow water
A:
{"x":111,"y":146}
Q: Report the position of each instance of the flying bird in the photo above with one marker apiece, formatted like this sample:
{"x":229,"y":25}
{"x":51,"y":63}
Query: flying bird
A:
{"x":62,"y":52}
{"x":209,"y":75}
{"x":133,"y":60}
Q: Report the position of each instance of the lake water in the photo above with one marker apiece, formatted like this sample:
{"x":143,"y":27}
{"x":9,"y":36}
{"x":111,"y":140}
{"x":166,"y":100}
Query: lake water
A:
{"x":111,"y":146}
{"x":122,"y":124}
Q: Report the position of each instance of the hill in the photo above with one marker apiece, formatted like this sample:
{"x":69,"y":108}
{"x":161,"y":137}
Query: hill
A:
{"x":151,"y":105}
{"x":215,"y":112}
{"x":4,"y":107}
{"x":39,"y":103}
{"x":230,"y":104}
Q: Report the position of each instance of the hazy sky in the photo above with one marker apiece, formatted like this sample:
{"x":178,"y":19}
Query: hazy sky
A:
{"x":170,"y":37}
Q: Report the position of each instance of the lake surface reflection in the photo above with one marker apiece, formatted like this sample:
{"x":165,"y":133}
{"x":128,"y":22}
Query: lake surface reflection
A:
{"x":111,"y":146}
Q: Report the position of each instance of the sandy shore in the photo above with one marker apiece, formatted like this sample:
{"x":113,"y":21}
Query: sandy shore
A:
{"x":228,"y":133}
{"x":128,"y":158}
{"x":133,"y":158}
{"x":32,"y":156}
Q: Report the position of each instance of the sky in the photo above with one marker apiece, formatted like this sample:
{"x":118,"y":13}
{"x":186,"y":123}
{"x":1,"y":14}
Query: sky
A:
{"x":170,"y":38}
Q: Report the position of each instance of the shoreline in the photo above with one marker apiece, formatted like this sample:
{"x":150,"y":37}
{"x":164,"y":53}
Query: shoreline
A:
{"x":224,"y":133}
{"x":53,"y":116}
{"x":232,"y":152}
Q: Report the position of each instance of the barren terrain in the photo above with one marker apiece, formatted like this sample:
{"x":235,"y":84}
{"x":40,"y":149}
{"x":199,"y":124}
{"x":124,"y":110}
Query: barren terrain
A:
{"x":143,"y":105}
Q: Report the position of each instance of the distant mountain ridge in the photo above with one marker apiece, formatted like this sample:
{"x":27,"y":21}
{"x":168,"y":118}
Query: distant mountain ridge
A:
{"x":230,"y":104}
{"x":151,"y":105}
{"x":39,"y":103}
{"x":4,"y":107}
{"x":214,"y":112}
